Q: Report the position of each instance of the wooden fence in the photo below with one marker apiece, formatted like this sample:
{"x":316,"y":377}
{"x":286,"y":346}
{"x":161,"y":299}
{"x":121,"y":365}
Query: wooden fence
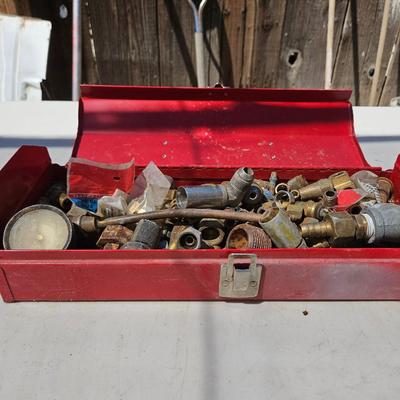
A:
{"x":249,"y":43}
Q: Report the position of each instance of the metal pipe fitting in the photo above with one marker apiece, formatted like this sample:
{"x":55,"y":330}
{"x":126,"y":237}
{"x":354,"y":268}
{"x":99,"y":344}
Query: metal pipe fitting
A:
{"x":216,"y":196}
{"x":145,"y":236}
{"x":189,"y":239}
{"x":245,"y":236}
{"x":283,"y":198}
{"x":297,"y":182}
{"x":329,"y":198}
{"x":212,"y":231}
{"x":339,"y":228}
{"x":313,"y":209}
{"x":385,"y":187}
{"x":253,"y":196}
{"x":282,"y":231}
{"x":295,"y":211}
{"x":281,"y":187}
{"x":273,"y":180}
{"x":339,"y":180}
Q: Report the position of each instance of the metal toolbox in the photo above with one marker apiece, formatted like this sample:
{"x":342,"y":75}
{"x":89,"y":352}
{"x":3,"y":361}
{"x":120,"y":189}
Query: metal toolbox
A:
{"x":198,"y":135}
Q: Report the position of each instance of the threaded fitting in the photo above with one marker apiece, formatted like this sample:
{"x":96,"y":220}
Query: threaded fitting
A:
{"x":245,"y":236}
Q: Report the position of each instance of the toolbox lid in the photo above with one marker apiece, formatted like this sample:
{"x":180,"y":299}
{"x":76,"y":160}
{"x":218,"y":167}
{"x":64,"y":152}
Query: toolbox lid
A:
{"x":218,"y":127}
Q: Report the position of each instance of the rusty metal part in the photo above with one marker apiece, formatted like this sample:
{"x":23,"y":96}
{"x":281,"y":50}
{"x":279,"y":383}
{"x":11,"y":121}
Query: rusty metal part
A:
{"x":281,"y":187}
{"x":297,"y":182}
{"x":111,"y":246}
{"x":218,"y":196}
{"x":254,"y":195}
{"x":245,"y":236}
{"x":282,"y":231}
{"x":114,"y":234}
{"x":385,"y":187}
{"x":329,"y":198}
{"x":339,"y":180}
{"x":91,"y":224}
{"x":146,"y":236}
{"x":295,"y":211}
{"x":340,"y":228}
{"x":212,"y":231}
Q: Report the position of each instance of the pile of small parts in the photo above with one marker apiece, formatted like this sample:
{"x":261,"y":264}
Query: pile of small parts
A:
{"x":242,"y":213}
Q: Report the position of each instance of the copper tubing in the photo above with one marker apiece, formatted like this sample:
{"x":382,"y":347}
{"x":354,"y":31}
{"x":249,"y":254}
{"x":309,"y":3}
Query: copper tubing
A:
{"x":181,"y":213}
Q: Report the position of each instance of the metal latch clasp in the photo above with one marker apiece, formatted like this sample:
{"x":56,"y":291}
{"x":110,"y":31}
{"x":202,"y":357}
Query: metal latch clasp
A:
{"x":240,"y":279}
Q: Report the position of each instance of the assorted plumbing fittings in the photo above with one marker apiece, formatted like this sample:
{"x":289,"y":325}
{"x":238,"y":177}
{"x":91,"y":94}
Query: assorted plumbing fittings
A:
{"x":245,"y":212}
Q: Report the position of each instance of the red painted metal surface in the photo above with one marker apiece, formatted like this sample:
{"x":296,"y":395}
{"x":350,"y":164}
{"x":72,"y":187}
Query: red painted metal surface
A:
{"x":218,"y":128}
{"x":197,"y":135}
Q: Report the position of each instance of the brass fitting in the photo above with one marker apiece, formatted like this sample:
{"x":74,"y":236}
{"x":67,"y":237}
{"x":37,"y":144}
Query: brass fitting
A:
{"x":340,"y":228}
{"x":297,"y":182}
{"x":385,"y":187}
{"x":330,"y":198}
{"x":212,"y":231}
{"x":313,"y":209}
{"x":295,"y":211}
{"x":245,"y":236}
{"x":339,"y":180}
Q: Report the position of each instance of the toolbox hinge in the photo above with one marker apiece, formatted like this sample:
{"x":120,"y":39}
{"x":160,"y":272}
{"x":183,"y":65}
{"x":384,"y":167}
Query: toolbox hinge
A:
{"x":240,"y":279}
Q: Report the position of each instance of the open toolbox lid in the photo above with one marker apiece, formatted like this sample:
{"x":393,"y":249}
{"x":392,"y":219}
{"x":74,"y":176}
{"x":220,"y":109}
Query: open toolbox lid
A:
{"x":218,"y":128}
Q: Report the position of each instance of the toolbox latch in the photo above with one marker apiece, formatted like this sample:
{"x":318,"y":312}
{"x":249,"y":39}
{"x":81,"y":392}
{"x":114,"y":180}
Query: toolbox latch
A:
{"x":239,"y":278}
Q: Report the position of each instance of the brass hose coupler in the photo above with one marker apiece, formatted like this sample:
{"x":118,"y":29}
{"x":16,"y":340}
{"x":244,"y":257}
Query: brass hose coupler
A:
{"x":385,"y":187}
{"x":338,"y":181}
{"x":282,"y":231}
{"x":339,"y":228}
{"x":245,"y":236}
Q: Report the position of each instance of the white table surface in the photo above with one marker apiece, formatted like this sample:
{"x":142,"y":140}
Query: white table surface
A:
{"x":191,"y":350}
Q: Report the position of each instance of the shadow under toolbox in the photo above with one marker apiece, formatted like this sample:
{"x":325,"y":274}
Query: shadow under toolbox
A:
{"x":197,"y":136}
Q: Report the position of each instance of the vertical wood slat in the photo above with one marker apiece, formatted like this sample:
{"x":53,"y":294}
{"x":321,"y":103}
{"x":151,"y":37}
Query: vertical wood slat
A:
{"x":125,"y":40}
{"x":358,"y":47}
{"x":176,"y":43}
{"x":302,"y":58}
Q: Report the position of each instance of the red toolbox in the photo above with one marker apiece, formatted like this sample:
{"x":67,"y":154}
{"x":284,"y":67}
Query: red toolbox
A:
{"x":201,"y":135}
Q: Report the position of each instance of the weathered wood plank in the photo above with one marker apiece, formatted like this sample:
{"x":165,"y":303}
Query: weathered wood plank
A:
{"x":390,"y":83}
{"x":358,"y":47}
{"x":214,"y":31}
{"x":268,"y":26}
{"x":125,"y":40}
{"x":302,"y":58}
{"x":176,"y":43}
{"x":233,"y":41}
